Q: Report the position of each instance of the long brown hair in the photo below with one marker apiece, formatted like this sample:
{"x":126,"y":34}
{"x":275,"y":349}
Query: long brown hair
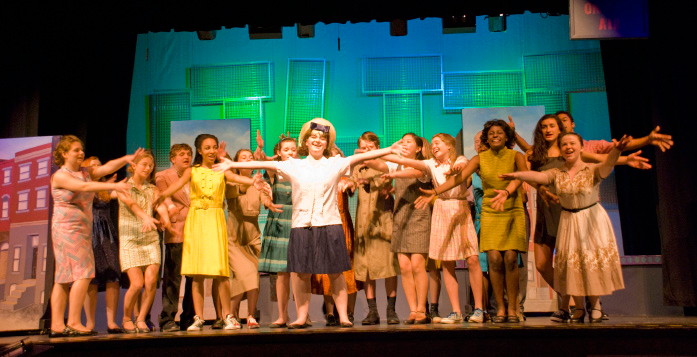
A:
{"x":540,"y":146}
{"x":450,"y":141}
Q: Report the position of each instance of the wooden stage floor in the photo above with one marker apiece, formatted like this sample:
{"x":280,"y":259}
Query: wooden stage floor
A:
{"x":536,"y":336}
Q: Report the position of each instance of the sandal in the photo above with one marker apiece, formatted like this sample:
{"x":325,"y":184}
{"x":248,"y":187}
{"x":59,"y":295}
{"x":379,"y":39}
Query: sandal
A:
{"x":498,"y":319}
{"x":411,"y":320}
{"x":126,"y":330}
{"x":140,"y":329}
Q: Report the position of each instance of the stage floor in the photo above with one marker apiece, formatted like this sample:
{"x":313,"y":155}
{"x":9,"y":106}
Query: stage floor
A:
{"x":538,"y":335}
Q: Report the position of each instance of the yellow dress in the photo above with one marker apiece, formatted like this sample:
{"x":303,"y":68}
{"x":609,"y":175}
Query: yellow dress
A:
{"x":500,"y":230}
{"x":205,"y":231}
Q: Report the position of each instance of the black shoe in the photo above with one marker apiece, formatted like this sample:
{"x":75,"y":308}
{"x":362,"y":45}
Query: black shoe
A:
{"x":117,"y":330}
{"x":392,"y":318}
{"x":605,"y":315}
{"x":277,"y":325}
{"x":350,"y":316}
{"x":52,"y":333}
{"x":331,"y":320}
{"x":218,"y":324}
{"x":169,"y":326}
{"x":591,"y":319}
{"x":579,"y":320}
{"x":297,"y":326}
{"x":560,"y":316}
{"x":425,"y":320}
{"x":77,"y":333}
{"x":373,"y":318}
{"x":434,"y":314}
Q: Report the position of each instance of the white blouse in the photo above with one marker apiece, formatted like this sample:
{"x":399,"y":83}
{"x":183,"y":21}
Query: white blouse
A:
{"x":436,"y":172}
{"x":314,"y":184}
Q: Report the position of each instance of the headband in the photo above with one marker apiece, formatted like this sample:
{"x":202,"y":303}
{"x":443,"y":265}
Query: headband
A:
{"x":319,"y":127}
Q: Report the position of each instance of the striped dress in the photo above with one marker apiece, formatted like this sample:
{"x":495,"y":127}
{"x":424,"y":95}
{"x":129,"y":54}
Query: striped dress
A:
{"x":501,"y":230}
{"x":71,"y":231}
{"x":136,"y":248}
{"x":452,"y":231}
{"x":274,"y":246}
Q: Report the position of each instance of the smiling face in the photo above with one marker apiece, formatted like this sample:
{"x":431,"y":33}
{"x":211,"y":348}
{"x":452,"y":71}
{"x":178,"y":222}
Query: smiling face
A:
{"x":288,"y":150}
{"x":409,"y":147}
{"x":75,"y":155}
{"x":571,"y":148}
{"x":440,"y":149}
{"x":566,"y":122}
{"x":208,"y":151}
{"x":550,"y":129}
{"x":316,"y":143}
{"x":144,"y":166}
{"x":496,"y":137}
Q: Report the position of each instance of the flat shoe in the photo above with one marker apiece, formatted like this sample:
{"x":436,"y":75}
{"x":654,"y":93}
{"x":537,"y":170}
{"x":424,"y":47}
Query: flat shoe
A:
{"x":277,"y":325}
{"x":77,"y":333}
{"x":513,"y":319}
{"x":114,"y":330}
{"x":425,"y":320}
{"x":345,"y":324}
{"x":64,"y":333}
{"x":297,"y":326}
{"x":498,"y":319}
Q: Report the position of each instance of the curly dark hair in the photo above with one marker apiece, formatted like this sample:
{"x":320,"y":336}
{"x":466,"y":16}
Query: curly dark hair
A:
{"x":198,"y":159}
{"x":510,"y":133}
{"x":540,"y":146}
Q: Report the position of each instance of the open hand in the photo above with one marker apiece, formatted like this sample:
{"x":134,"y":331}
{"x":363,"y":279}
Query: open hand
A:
{"x":425,"y":199}
{"x":622,"y":143}
{"x":638,"y":162}
{"x":149,"y":224}
{"x":499,"y":200}
{"x":224,"y":164}
{"x":131,"y":159}
{"x":547,"y":196}
{"x":222,"y":150}
{"x":663,"y":141}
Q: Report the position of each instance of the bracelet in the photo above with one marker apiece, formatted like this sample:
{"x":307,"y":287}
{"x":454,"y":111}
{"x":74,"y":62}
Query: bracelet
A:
{"x":507,"y":193}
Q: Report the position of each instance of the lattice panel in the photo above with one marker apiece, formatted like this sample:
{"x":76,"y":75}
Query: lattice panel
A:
{"x":247,"y":109}
{"x":304,"y":92}
{"x":573,"y":71}
{"x":402,"y":114}
{"x":553,"y":101}
{"x":164,"y":109}
{"x":216,"y":84}
{"x":482,"y":89}
{"x":394,"y":74}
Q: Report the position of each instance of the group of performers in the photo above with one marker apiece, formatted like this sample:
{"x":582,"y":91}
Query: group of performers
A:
{"x":421,"y":207}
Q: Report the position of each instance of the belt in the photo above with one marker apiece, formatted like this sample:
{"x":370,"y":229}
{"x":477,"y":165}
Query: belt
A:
{"x":574,"y":210}
{"x":205,"y":205}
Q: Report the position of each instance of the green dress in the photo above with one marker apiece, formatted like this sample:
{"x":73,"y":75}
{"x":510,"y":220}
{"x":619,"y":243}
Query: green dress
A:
{"x":501,"y":230}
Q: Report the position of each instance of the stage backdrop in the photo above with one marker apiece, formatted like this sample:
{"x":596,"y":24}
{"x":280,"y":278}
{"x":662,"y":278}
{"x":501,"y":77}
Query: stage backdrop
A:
{"x":235,"y":133}
{"x":26,"y":259}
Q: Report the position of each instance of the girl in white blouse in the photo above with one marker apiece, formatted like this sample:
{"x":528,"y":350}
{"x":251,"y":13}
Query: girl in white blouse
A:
{"x":317,"y":244}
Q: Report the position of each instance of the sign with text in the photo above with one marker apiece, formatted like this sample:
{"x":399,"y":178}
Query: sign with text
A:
{"x":608,"y":19}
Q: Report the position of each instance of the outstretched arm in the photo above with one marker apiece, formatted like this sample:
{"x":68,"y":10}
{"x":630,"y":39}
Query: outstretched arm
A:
{"x":663,"y":141}
{"x":417,"y":164}
{"x":63,"y":180}
{"x":499,"y":200}
{"x":227,"y":164}
{"x":114,"y":165}
{"x":373,"y":154}
{"x":632,"y":160}
{"x":403,"y":174}
{"x":605,"y":167}
{"x":527,"y":176}
{"x":176,"y":186}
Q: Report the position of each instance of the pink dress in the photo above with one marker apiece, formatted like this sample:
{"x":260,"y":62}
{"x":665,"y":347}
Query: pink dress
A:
{"x":71,"y":231}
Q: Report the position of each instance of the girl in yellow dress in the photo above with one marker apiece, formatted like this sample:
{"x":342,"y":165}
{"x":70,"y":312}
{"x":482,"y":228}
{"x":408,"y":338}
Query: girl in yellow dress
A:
{"x":205,"y":231}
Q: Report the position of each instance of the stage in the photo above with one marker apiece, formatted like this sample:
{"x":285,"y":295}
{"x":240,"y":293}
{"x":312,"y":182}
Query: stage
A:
{"x":538,"y":336}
